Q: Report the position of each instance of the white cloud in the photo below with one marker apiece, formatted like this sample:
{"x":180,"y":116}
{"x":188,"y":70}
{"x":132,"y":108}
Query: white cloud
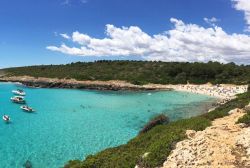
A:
{"x":212,"y":21}
{"x":243,"y":5}
{"x":64,"y":35}
{"x":80,"y":38}
{"x":185,"y":42}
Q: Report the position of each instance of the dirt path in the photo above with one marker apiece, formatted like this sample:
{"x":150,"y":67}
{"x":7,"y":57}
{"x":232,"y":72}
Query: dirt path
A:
{"x":222,"y":145}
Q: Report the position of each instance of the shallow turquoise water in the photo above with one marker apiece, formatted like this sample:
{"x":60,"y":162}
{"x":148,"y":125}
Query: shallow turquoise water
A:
{"x":71,"y":124}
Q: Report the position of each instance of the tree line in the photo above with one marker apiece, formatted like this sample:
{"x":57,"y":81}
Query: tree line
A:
{"x":141,"y":72}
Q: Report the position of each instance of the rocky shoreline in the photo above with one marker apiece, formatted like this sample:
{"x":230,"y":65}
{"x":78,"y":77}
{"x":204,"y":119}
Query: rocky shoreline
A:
{"x":74,"y":84}
{"x":223,"y":91}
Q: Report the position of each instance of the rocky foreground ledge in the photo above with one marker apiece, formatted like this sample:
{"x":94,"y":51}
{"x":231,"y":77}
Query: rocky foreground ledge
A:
{"x":224,"y":144}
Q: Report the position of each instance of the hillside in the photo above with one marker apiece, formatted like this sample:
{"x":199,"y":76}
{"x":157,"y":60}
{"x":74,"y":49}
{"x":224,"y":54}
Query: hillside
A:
{"x":140,"y":72}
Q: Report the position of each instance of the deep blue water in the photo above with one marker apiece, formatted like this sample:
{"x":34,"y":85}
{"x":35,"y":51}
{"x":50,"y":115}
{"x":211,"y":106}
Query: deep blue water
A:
{"x":71,"y":124}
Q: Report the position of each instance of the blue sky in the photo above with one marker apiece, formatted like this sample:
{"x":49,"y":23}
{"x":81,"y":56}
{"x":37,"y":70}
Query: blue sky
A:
{"x":28,"y":26}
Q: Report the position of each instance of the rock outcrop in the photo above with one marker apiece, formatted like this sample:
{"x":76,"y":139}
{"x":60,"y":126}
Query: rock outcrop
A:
{"x":158,"y":120}
{"x":74,"y":84}
{"x":224,"y":144}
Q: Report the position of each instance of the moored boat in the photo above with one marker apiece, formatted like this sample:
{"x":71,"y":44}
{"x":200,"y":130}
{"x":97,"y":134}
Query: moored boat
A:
{"x":19,"y":92}
{"x":27,"y":109}
{"x":6,"y":118}
{"x":18,"y":99}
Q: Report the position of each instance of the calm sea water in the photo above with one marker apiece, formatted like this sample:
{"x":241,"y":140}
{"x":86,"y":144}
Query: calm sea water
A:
{"x":71,"y":124}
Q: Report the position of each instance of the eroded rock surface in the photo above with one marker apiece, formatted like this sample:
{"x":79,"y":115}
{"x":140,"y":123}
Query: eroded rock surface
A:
{"x":222,"y":145}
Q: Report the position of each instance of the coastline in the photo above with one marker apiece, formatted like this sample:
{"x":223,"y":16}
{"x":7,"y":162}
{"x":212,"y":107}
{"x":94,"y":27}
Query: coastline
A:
{"x":41,"y":82}
{"x":224,"y":92}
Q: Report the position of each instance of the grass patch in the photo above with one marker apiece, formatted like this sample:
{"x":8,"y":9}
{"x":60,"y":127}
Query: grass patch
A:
{"x":245,"y":119}
{"x":157,"y":142}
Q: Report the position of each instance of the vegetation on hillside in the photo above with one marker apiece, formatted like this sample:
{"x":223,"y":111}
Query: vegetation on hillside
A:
{"x":245,"y":119}
{"x":141,"y":72}
{"x":157,"y":142}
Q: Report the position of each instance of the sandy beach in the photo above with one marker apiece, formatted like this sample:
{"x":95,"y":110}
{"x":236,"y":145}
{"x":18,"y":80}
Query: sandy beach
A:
{"x":223,"y":91}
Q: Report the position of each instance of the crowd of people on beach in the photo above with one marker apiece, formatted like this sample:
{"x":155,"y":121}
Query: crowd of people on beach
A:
{"x":220,"y":91}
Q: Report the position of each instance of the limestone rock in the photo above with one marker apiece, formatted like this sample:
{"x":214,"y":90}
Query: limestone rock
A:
{"x":215,"y":146}
{"x":190,"y":133}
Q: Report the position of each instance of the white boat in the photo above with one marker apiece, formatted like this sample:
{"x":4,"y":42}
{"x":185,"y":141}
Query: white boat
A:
{"x":19,"y":92}
{"x":6,"y":118}
{"x":18,"y":99}
{"x":27,"y":108}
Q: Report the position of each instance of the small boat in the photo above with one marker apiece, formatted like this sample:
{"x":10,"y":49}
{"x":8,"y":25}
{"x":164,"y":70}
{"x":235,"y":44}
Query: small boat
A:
{"x":27,"y":108}
{"x":19,"y":92}
{"x":6,"y":118}
{"x":18,"y":99}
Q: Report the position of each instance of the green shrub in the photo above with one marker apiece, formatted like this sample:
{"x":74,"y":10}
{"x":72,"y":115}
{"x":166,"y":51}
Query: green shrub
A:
{"x":245,"y":119}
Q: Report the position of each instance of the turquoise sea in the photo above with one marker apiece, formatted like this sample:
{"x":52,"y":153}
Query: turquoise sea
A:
{"x":71,"y":124}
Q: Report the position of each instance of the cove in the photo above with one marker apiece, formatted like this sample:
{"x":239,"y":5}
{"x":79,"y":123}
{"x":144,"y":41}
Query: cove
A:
{"x":71,"y":124}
